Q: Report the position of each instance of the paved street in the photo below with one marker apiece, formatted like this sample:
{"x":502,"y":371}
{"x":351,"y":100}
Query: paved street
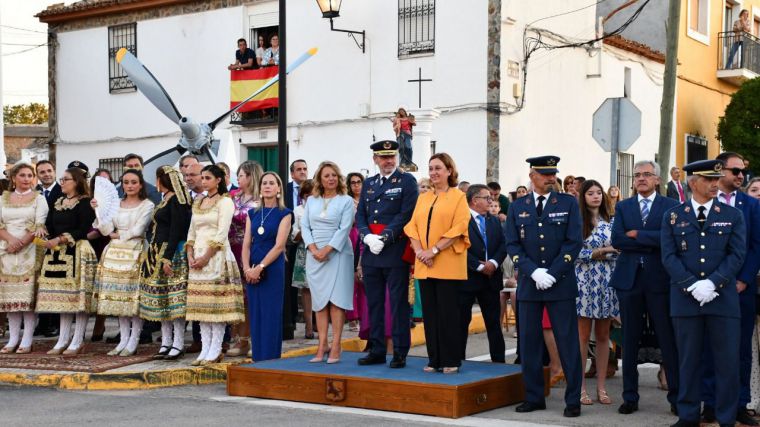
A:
{"x":210,"y":405}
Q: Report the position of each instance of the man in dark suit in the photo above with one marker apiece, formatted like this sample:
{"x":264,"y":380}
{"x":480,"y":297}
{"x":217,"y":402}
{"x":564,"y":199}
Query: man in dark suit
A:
{"x":386,"y":205}
{"x":298,"y":174}
{"x":677,"y":189}
{"x":543,"y":234}
{"x":48,"y":185}
{"x":484,"y":274}
{"x":703,"y":249}
{"x":641,"y":281}
{"x":729,"y":192}
{"x":135,"y":161}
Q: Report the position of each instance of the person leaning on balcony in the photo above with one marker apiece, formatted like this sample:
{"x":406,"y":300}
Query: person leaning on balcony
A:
{"x":272,"y":54}
{"x":245,"y":58}
{"x":741,"y":25}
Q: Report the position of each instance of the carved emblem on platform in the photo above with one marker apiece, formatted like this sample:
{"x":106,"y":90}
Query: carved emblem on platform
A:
{"x":335,"y":390}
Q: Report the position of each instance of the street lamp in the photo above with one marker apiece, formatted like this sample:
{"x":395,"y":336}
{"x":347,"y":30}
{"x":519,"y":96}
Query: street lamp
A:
{"x":331,"y":9}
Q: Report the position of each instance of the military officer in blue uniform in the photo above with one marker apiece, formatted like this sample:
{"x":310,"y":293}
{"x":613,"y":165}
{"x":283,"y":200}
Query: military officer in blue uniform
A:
{"x":386,"y":204}
{"x":543,"y":233}
{"x":703,"y":250}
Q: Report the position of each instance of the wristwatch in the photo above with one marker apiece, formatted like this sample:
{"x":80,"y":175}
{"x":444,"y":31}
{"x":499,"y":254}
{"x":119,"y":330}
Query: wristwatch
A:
{"x":435,"y":250}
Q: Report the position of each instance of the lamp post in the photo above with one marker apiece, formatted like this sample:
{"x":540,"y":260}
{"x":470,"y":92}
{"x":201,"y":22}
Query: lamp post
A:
{"x":331,"y":9}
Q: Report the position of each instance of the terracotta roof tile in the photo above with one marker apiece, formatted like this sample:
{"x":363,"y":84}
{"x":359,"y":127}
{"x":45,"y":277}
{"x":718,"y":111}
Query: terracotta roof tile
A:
{"x":635,"y":47}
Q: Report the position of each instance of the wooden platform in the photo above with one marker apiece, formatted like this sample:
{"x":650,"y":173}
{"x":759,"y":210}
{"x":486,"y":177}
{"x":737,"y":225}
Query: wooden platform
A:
{"x":480,"y":386}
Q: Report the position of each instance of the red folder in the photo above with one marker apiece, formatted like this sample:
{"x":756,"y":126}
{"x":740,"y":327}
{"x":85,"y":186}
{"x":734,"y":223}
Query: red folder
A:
{"x":408,"y":256}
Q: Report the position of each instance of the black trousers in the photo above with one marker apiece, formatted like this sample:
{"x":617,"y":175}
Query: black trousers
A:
{"x":440,"y":313}
{"x":397,"y":280}
{"x":490,"y":308}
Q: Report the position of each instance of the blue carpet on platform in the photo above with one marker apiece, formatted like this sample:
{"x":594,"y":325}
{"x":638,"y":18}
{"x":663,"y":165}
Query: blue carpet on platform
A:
{"x":469,"y":372}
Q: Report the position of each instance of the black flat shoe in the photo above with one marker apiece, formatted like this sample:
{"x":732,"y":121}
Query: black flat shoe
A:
{"x":114,"y":340}
{"x":176,"y":356}
{"x":162,"y":352}
{"x":372,"y":359}
{"x":398,"y":361}
{"x":743,"y":417}
{"x":572,"y":411}
{"x":708,"y":414}
{"x":628,"y":408}
{"x":530,"y":407}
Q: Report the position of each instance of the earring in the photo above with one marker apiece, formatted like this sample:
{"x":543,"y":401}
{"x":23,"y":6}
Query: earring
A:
{"x":278,"y":195}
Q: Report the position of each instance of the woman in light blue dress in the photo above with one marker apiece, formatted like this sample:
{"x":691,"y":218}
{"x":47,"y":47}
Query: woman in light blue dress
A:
{"x":325,"y":225}
{"x":597,"y":302}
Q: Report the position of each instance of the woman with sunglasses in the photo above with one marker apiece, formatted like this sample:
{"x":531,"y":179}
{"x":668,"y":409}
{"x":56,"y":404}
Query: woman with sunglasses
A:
{"x":68,"y":269}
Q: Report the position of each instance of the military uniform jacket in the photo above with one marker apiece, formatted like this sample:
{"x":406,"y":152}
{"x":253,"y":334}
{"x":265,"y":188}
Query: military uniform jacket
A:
{"x":392,"y":205}
{"x":551,"y":241}
{"x":691,"y":253}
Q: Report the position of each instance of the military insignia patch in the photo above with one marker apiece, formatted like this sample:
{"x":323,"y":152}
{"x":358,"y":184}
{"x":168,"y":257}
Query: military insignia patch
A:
{"x":673,"y":217}
{"x":683,"y":246}
{"x":567,"y":258}
{"x":515,"y":258}
{"x":524,"y":215}
{"x":717,"y":208}
{"x":687,"y":209}
{"x":554,"y":200}
{"x":387,"y":145}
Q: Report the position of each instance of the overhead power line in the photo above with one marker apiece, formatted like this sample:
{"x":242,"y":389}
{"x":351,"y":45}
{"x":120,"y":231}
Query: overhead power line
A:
{"x":25,"y":50}
{"x":23,"y":29}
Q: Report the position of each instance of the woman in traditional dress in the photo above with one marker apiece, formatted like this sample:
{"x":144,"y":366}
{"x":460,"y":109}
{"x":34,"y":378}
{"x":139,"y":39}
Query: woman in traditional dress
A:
{"x":326,"y":223}
{"x":355,"y":181}
{"x":299,"y":264}
{"x":68,"y":269}
{"x":163,"y":291}
{"x":244,"y":198}
{"x":118,"y":275}
{"x":214,"y":288}
{"x":22,"y":218}
{"x":266,"y":233}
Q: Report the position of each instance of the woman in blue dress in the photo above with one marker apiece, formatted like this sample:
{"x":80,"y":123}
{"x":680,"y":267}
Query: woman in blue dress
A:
{"x":326,"y":223}
{"x":597,"y":302}
{"x":266,"y":231}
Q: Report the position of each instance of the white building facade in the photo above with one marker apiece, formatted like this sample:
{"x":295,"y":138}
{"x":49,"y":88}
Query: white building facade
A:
{"x":342,"y":99}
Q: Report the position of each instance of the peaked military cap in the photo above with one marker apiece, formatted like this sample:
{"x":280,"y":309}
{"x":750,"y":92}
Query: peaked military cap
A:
{"x":706,"y":168}
{"x":385,"y":148}
{"x":545,"y":165}
{"x":79,"y":165}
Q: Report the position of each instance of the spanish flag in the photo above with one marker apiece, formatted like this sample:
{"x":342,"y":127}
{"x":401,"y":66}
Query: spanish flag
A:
{"x":245,"y":82}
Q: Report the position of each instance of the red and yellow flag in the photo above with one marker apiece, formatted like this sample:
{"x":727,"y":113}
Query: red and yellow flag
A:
{"x":245,"y":82}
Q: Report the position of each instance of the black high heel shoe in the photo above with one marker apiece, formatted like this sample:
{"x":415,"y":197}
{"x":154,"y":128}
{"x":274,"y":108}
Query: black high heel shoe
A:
{"x":162,"y":352}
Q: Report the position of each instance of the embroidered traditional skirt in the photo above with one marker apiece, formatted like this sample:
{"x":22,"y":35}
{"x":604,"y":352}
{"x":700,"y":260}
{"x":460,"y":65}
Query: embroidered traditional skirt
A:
{"x":215,"y":292}
{"x":163,"y":298}
{"x":67,"y":279}
{"x":117,"y":283}
{"x":18,"y":277}
{"x":299,"y":268}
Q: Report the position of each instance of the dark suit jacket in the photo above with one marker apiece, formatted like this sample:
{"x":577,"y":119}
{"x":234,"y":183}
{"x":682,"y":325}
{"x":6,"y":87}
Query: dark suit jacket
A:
{"x":646,"y":246}
{"x":289,"y":195}
{"x":55,"y":193}
{"x":750,"y":207}
{"x":673,"y":191}
{"x":497,"y":251}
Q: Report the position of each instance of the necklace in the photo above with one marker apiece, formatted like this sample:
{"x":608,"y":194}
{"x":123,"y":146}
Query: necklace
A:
{"x":72,"y":197}
{"x":325,"y":204}
{"x":24,"y":193}
{"x":260,"y":230}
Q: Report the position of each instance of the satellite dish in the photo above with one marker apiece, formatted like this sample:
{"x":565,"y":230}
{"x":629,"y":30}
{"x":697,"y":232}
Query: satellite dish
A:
{"x":196,"y":137}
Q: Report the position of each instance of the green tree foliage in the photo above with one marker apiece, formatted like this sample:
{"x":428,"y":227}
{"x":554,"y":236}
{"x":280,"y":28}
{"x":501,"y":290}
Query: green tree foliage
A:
{"x":27,"y":114}
{"x":739,"y":128}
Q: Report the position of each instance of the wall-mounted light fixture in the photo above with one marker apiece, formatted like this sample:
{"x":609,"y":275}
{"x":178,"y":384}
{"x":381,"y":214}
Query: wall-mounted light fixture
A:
{"x":331,"y":9}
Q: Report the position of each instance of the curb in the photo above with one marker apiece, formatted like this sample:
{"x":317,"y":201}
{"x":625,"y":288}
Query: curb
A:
{"x":181,"y":376}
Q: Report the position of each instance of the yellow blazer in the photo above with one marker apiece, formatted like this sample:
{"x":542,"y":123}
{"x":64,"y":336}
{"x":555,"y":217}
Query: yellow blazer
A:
{"x":450,"y":219}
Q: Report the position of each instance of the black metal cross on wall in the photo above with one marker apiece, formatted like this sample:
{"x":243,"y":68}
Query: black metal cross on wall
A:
{"x":419,"y":81}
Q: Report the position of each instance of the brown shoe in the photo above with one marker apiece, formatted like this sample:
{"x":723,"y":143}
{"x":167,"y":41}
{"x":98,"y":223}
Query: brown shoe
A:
{"x":238,"y":348}
{"x":193,"y":348}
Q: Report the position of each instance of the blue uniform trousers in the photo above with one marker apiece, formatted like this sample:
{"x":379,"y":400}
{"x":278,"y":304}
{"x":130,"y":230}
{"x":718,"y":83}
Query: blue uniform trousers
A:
{"x":397,"y":280}
{"x":633,"y":304}
{"x":721,"y":334}
{"x":265,"y":301}
{"x":564,"y":319}
{"x":747,"y":307}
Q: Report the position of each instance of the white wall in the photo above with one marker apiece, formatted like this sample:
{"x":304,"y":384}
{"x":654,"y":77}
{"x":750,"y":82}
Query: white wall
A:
{"x":561,"y":99}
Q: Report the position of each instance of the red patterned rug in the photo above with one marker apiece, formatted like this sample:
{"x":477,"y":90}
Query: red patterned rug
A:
{"x":93,"y":360}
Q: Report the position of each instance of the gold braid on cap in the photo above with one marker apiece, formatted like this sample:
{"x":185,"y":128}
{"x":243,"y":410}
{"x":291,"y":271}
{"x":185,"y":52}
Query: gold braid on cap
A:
{"x":179,"y":188}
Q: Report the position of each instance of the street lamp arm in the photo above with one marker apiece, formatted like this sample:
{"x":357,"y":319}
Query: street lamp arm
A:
{"x":351,"y":34}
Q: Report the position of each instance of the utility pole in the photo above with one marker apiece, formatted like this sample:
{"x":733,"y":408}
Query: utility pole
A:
{"x":669,"y":89}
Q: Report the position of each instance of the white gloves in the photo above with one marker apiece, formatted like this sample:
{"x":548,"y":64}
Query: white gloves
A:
{"x":374,"y":242}
{"x":543,"y":279}
{"x":703,"y":291}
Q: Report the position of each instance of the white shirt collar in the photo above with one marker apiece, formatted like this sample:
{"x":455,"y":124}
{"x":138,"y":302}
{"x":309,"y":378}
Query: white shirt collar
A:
{"x":475,"y":214}
{"x":650,"y":198}
{"x":707,"y":206}
{"x":49,"y":188}
{"x":536,"y":196}
{"x":389,"y":175}
{"x":733,"y":197}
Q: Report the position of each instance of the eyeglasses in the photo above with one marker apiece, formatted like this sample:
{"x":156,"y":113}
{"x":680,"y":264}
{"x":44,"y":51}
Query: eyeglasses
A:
{"x":356,"y":182}
{"x":638,"y":175}
{"x":64,"y":179}
{"x":489,"y":198}
{"x":737,"y":171}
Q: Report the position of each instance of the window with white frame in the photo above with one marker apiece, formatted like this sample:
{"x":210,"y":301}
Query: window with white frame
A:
{"x":698,"y":17}
{"x":416,"y":27}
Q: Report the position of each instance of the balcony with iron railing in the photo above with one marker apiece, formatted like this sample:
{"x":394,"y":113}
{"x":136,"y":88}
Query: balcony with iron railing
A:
{"x":738,"y":57}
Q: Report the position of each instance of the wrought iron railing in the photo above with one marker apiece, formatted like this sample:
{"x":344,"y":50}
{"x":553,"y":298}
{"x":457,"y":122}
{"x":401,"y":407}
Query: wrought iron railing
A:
{"x":416,"y":27}
{"x":738,"y":50}
{"x":264,"y":117}
{"x":120,"y":36}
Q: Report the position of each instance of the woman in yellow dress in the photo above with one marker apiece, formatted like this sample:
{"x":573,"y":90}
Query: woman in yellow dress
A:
{"x":22,"y":218}
{"x":118,"y":276}
{"x":214,"y":288}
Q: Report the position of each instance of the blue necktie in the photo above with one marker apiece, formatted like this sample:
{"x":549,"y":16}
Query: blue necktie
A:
{"x":47,"y":193}
{"x":482,"y":227}
{"x":644,"y":210}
